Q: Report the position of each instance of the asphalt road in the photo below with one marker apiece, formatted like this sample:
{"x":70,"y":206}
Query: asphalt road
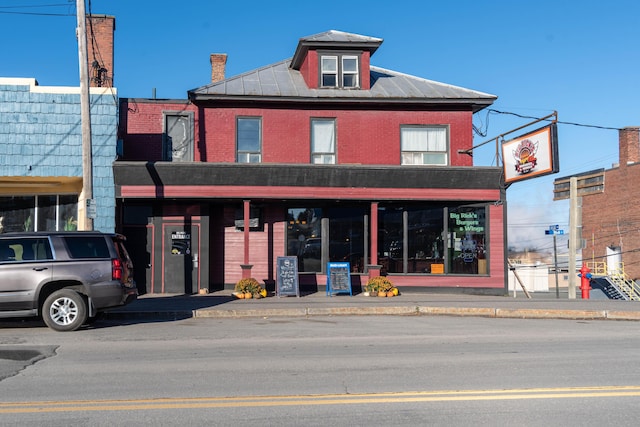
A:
{"x":345,"y":370}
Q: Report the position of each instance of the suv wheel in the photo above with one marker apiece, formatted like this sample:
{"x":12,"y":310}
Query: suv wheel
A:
{"x":64,"y":310}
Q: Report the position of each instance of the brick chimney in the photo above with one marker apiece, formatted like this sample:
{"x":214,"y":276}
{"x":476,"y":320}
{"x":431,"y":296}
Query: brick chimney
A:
{"x":100,"y":31}
{"x":218,"y":62}
{"x":629,"y":145}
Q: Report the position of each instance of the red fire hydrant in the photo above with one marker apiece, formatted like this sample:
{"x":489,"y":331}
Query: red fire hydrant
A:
{"x":585,"y":277}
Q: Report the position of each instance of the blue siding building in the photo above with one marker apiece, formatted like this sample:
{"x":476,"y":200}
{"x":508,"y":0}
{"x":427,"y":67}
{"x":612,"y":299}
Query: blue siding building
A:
{"x":41,"y":155}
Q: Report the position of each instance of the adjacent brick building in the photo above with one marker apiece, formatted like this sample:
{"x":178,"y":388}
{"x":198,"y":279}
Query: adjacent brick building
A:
{"x":323,"y":157}
{"x":610,"y":220}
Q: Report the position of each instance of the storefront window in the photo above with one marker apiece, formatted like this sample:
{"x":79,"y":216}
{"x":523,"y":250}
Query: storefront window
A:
{"x":411,"y":239}
{"x":467,"y":244}
{"x":391,"y":239}
{"x":304,"y":238}
{"x":68,"y":213}
{"x":347,"y":238}
{"x":425,"y":228}
{"x":17,"y":213}
{"x":414,"y":239}
{"x":343,"y":239}
{"x":38,"y":213}
{"x":46,"y":213}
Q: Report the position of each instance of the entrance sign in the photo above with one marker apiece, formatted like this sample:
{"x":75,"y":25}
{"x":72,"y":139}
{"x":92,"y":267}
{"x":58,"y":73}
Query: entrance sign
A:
{"x":287,"y":276}
{"x":339,"y":278}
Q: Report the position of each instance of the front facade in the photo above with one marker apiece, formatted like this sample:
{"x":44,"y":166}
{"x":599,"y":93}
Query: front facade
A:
{"x":609,"y":219}
{"x":323,"y":157}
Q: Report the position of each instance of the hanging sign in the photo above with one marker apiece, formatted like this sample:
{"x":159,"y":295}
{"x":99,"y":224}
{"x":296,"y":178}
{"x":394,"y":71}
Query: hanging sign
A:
{"x":531,"y":155}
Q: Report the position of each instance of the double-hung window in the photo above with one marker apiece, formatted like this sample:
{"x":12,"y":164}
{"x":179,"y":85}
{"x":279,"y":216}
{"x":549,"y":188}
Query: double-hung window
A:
{"x":329,"y":71}
{"x":249,"y":139}
{"x":339,"y":71}
{"x":323,"y":141}
{"x":350,"y":71}
{"x":424,"y":145}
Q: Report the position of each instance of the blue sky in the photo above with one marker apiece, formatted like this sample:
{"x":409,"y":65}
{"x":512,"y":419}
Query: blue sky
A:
{"x":579,"y":58}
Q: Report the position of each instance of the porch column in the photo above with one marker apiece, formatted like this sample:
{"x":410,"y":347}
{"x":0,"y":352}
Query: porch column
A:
{"x":246,"y":267}
{"x":374,"y":268}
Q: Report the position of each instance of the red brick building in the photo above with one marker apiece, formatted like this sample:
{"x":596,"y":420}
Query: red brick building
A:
{"x":326,"y":158}
{"x":610,"y":220}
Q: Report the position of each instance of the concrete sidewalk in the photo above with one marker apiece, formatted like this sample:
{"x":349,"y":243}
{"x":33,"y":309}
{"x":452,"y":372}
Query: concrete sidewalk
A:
{"x":222,"y":304}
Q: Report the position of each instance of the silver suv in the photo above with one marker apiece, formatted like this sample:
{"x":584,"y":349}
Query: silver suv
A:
{"x":67,"y":278}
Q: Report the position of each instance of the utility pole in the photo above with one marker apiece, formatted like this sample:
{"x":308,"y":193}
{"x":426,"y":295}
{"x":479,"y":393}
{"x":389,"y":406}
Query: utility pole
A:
{"x":555,"y":262}
{"x":573,"y":235}
{"x":86,"y":206}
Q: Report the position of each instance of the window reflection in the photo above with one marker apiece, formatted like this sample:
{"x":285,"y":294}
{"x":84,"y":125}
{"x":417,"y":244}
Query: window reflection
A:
{"x":467,"y":246}
{"x":38,"y":213}
{"x":304,"y":238}
{"x":346,"y":237}
{"x":413,"y":239}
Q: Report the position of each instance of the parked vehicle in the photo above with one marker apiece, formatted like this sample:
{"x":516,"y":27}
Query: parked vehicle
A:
{"x":66,"y":278}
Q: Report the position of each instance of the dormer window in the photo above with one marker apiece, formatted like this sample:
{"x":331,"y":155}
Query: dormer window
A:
{"x":338,"y":70}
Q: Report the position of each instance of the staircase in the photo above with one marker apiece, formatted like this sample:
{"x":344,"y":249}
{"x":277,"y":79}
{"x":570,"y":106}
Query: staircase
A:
{"x":614,"y":282}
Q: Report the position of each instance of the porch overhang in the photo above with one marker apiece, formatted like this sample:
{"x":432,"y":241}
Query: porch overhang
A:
{"x":175,"y":180}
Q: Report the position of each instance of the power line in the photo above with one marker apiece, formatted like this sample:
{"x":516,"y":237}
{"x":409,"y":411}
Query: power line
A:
{"x":549,"y":120}
{"x":3,"y":9}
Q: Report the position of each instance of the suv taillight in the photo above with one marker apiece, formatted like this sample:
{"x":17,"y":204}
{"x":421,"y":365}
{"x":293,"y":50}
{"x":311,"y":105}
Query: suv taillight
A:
{"x":116,"y":269}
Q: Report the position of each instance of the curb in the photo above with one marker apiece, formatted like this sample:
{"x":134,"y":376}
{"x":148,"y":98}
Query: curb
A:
{"x":502,"y":313}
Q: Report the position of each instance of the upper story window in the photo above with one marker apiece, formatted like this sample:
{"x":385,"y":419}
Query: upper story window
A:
{"x":249,"y":139}
{"x":339,"y":71}
{"x":424,"y":145}
{"x":177,"y":138}
{"x":323,"y":141}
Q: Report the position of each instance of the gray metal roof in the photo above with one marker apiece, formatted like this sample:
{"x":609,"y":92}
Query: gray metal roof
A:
{"x":335,"y":40}
{"x":283,"y":82}
{"x":333,"y":36}
{"x":280,"y":82}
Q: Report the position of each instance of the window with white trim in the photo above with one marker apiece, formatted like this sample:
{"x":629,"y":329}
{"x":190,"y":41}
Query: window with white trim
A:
{"x":350,"y":71}
{"x":424,"y":145}
{"x":249,"y":139}
{"x":339,"y":71}
{"x":329,"y":71}
{"x":323,"y":141}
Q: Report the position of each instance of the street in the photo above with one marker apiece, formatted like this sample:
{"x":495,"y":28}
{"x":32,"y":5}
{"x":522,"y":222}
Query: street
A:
{"x":351,"y":370}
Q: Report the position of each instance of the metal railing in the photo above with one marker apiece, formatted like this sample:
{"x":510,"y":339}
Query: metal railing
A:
{"x":628,"y":288}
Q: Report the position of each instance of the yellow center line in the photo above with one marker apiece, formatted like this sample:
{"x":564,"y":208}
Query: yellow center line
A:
{"x":320,"y":399}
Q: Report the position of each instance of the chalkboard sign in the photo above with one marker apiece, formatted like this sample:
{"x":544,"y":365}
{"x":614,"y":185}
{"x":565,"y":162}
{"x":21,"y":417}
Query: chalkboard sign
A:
{"x":287,"y":276}
{"x":339,"y":278}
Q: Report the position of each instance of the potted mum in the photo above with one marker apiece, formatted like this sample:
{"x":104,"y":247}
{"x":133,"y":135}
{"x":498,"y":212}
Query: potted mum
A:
{"x":380,"y":286}
{"x":249,"y":288}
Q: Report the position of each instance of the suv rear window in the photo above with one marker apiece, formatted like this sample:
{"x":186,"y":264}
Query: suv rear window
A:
{"x":87,"y":247}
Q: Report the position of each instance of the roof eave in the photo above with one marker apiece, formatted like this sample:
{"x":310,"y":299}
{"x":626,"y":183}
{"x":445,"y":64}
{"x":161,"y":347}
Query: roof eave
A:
{"x":304,"y":47}
{"x":476,"y":104}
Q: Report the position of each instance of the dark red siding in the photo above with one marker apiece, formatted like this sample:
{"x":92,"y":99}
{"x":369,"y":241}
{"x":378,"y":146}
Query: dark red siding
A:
{"x":141,"y":126}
